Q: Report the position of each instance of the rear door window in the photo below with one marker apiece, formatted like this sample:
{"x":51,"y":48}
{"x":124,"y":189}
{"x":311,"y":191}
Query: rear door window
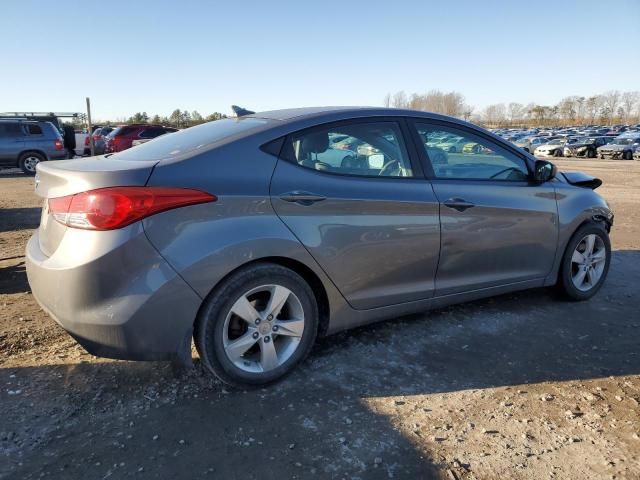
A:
{"x":125,"y":131}
{"x":362,"y":148}
{"x":152,"y":132}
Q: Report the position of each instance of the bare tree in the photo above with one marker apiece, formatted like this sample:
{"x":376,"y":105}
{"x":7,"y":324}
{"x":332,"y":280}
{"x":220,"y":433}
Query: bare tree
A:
{"x":399,"y":100}
{"x":495,"y":114}
{"x":387,"y":100}
{"x":593,"y":105}
{"x":629,"y":101}
{"x":467,"y":111}
{"x":611,"y":100}
{"x":515,"y":112}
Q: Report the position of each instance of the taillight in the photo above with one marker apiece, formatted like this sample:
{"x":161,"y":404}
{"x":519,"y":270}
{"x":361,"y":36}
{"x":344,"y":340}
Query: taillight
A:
{"x":57,"y":144}
{"x":86,"y":141}
{"x":116,"y":207}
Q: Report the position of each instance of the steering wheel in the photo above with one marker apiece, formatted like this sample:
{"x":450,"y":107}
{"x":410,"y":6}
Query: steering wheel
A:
{"x":322,"y":166}
{"x":390,"y":168}
{"x":504,"y":170}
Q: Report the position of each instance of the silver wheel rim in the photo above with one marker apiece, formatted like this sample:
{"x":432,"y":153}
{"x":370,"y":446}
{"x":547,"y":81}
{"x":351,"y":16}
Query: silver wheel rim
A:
{"x":588,"y":262}
{"x":30,"y":163}
{"x":263,"y":329}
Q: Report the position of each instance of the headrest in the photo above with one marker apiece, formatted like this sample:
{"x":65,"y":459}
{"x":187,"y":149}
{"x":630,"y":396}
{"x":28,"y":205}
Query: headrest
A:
{"x":315,"y":142}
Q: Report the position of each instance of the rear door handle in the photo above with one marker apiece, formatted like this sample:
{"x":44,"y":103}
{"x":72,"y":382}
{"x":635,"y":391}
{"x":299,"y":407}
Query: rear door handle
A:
{"x":302,"y":198}
{"x":458,"y":204}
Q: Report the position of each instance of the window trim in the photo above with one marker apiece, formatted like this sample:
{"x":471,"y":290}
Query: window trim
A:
{"x":428,"y":167}
{"x":400,"y":123}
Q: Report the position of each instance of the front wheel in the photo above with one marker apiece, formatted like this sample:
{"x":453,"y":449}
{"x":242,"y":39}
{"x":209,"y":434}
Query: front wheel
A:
{"x":628,"y":155}
{"x":257,"y":326}
{"x":557,"y":153}
{"x":585,"y":263}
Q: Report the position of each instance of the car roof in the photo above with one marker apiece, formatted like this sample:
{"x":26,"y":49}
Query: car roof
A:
{"x":296,"y":114}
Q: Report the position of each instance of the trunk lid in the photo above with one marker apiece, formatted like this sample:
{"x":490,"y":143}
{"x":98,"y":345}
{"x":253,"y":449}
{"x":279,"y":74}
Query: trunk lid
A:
{"x":67,"y":177}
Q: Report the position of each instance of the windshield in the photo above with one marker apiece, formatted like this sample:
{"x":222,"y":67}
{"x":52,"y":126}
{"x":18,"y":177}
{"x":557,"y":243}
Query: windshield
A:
{"x":192,"y":139}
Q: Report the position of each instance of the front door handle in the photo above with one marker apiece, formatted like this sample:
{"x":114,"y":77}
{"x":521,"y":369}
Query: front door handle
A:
{"x":302,"y":198}
{"x":458,"y":204}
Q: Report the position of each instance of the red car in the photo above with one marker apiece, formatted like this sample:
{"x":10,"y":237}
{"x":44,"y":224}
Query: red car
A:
{"x":121,"y":138}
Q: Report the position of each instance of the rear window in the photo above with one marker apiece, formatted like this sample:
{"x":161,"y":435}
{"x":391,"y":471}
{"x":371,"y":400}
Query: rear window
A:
{"x":192,"y":140}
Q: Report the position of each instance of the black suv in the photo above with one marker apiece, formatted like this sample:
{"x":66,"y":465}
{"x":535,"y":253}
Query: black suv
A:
{"x":25,"y":143}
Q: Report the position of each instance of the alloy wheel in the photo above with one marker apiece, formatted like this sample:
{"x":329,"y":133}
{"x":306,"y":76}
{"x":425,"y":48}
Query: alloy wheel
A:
{"x":263,"y":328}
{"x":588,"y":262}
{"x":30,"y":163}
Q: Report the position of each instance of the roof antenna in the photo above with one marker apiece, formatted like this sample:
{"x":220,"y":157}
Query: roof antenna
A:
{"x":241,"y":112}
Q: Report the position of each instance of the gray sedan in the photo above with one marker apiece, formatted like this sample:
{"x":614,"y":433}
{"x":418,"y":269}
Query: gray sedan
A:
{"x":237,"y":233}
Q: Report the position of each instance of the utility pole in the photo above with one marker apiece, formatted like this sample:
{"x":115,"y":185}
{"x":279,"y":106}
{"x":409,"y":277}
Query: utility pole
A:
{"x":90,"y":130}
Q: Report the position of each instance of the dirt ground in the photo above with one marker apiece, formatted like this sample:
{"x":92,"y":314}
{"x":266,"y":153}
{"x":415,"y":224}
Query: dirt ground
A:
{"x":518,"y":386}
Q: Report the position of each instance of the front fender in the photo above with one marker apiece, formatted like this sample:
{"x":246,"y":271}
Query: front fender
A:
{"x":576,"y":206}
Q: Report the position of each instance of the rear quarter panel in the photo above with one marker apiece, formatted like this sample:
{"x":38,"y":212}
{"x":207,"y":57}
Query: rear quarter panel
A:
{"x":204,"y":243}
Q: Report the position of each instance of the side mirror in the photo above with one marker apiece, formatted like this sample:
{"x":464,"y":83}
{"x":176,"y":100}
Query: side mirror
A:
{"x":544,"y":171}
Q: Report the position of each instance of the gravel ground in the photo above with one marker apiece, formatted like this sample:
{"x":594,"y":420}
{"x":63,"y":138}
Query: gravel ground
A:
{"x":517,"y":386}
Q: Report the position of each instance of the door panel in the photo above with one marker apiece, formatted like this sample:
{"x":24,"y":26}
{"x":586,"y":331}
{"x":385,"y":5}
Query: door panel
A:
{"x":496,"y":227}
{"x":378,"y":239}
{"x":508,"y":235}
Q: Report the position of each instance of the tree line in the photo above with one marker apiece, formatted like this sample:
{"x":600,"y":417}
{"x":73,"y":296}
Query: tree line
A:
{"x":177,"y":119}
{"x":606,"y":108}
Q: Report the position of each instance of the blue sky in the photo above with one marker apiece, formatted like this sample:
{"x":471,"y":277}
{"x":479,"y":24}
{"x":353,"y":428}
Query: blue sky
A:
{"x":159,"y":55}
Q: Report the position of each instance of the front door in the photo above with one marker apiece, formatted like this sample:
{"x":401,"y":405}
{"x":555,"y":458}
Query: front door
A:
{"x":363,"y":212}
{"x":497,"y":227}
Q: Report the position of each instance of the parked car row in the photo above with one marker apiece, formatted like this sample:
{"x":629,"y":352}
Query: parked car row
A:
{"x":615,"y":142}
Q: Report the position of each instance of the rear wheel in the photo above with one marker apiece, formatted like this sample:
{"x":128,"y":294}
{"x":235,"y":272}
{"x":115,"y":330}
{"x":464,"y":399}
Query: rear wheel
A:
{"x":557,"y":152}
{"x":591,"y":153}
{"x":628,"y":155}
{"x":28,"y":161}
{"x":585,"y":263}
{"x":257,"y":326}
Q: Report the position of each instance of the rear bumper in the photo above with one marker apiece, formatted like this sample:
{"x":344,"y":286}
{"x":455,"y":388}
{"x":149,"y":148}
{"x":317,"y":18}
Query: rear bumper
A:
{"x":114,"y":294}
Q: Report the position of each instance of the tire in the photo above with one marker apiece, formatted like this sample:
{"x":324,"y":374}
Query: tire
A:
{"x":601,"y":157}
{"x":249,"y":291}
{"x":628,"y":155}
{"x":591,"y":154}
{"x":28,"y":161}
{"x":557,"y":152}
{"x":569,"y":283}
{"x":452,"y":150}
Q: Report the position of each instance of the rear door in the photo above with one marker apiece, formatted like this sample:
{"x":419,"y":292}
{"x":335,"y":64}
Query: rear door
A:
{"x":369,"y":219}
{"x":497,"y":227}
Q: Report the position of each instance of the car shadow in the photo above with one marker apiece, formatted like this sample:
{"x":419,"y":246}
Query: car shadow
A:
{"x":13,"y":279}
{"x":19,"y":218}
